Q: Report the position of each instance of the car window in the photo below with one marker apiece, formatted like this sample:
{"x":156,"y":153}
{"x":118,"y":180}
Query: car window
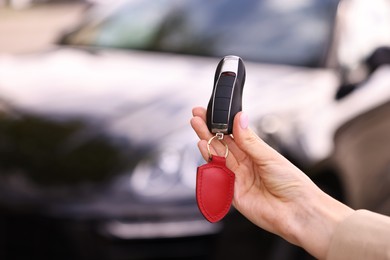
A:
{"x":275,"y":31}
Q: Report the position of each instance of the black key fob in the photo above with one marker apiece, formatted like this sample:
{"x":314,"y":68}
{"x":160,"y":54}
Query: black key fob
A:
{"x":226,"y":98}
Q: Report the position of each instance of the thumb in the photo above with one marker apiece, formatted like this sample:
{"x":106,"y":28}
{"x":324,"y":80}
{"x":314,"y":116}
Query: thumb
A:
{"x":250,"y":143}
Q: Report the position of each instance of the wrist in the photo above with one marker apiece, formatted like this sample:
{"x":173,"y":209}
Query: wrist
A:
{"x":317,"y":224}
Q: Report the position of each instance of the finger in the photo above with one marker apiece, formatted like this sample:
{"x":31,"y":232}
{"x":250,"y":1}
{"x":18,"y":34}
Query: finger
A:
{"x":202,"y":145}
{"x":200,"y":127}
{"x":250,"y":143}
{"x":200,"y":112}
{"x":239,"y":155}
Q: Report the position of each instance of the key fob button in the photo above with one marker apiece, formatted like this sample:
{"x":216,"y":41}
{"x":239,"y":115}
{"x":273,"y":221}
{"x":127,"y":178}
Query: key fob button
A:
{"x":222,"y":104}
{"x":220,"y":116}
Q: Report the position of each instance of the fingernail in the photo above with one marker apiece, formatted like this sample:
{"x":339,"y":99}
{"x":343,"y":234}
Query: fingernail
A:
{"x":244,"y":120}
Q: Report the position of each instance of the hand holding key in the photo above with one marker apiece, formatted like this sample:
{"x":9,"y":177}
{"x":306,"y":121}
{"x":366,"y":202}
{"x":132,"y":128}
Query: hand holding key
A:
{"x":270,"y":191}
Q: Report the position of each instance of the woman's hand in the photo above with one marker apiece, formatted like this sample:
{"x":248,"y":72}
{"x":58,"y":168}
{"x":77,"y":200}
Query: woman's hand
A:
{"x":270,"y":191}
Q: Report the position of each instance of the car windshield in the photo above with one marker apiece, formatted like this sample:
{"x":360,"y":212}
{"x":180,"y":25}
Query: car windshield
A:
{"x":272,"y":31}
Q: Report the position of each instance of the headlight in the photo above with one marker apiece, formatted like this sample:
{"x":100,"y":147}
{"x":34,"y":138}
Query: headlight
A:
{"x":170,"y":172}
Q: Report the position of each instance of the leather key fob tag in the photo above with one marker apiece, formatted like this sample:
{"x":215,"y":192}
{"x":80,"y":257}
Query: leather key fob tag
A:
{"x":214,"y":188}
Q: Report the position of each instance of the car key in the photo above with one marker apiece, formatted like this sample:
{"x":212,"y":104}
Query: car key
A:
{"x":226,"y":98}
{"x":214,"y":181}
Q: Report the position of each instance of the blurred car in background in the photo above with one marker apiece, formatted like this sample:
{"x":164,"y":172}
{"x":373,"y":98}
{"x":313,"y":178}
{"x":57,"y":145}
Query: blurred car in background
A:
{"x":97,"y":152}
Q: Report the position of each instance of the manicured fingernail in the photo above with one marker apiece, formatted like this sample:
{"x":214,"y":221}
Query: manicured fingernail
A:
{"x":244,"y":120}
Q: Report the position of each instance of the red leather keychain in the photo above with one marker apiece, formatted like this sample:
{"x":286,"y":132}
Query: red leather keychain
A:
{"x":214,"y":187}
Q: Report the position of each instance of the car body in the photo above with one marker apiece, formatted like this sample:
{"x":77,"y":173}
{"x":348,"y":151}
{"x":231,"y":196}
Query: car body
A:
{"x":95,"y":131}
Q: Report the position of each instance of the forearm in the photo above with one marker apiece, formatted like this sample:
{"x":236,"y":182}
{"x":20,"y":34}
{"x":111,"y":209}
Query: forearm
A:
{"x":363,"y":235}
